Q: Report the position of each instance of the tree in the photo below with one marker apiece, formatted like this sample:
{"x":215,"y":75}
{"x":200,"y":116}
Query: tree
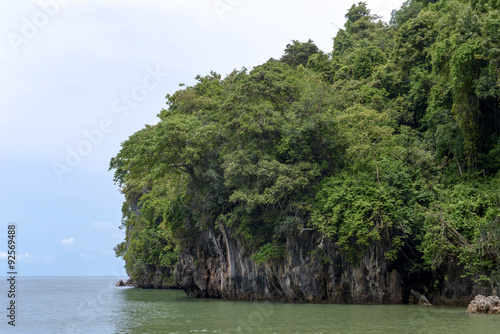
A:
{"x":394,"y":137}
{"x":298,"y":53}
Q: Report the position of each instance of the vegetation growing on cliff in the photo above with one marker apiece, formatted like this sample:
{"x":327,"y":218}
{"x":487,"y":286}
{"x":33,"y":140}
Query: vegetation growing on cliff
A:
{"x":394,"y":136}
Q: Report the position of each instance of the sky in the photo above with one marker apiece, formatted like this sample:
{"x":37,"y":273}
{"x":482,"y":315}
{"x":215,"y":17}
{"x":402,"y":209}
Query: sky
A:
{"x":78,"y":77}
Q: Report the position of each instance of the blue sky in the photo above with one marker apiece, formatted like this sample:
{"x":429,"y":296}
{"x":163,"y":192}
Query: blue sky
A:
{"x":77,"y":77}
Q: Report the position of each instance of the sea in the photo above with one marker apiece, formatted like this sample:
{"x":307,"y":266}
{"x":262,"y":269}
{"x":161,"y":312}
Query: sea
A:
{"x":70,"y":305}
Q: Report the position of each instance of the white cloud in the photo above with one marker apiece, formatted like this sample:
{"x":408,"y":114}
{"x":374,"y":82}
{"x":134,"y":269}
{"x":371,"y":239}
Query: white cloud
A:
{"x":22,"y":256}
{"x":4,"y":255}
{"x":27,"y":258}
{"x":68,"y":241}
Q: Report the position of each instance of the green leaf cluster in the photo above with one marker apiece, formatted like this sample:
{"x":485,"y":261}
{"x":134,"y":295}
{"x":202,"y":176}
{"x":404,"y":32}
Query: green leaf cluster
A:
{"x":391,"y":139}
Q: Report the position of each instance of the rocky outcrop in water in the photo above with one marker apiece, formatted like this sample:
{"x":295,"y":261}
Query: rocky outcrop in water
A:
{"x":219,"y":266}
{"x":482,"y":304}
{"x":419,"y":298}
{"x":128,"y":282}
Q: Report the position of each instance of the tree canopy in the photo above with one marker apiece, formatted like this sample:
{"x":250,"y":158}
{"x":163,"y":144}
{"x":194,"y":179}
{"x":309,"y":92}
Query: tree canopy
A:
{"x":394,"y":135}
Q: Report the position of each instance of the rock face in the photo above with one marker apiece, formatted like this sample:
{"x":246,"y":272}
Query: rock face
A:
{"x":120,"y":283}
{"x":482,"y":304}
{"x":459,"y":291}
{"x":220,"y":266}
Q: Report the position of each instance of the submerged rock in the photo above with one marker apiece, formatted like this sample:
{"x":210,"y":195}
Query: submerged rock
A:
{"x":420,"y":298}
{"x":424,"y":301}
{"x":482,"y":304}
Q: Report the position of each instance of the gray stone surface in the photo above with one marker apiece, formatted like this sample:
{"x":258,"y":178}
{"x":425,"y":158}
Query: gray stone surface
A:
{"x":220,"y":266}
{"x":483,"y":304}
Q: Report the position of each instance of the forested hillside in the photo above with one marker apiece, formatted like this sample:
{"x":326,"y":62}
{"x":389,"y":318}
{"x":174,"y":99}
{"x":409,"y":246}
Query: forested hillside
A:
{"x":394,"y":136}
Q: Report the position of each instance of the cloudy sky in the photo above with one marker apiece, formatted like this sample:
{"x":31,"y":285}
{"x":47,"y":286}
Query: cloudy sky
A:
{"x":77,"y":77}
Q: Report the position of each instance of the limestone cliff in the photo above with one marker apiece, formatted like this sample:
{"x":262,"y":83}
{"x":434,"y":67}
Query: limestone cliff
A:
{"x":220,"y":267}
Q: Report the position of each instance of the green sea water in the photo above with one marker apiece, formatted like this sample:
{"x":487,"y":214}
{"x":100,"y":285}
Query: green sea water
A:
{"x":95,"y":305}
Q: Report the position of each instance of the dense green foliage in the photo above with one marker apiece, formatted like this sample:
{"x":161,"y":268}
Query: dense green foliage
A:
{"x":393,"y":137}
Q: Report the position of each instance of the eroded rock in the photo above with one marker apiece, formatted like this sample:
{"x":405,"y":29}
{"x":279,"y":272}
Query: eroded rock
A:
{"x":483,"y":304}
{"x":129,"y":282}
{"x":420,"y":298}
{"x":220,"y":266}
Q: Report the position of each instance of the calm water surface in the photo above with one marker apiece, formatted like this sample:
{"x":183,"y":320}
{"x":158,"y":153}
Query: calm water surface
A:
{"x":95,"y":305}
